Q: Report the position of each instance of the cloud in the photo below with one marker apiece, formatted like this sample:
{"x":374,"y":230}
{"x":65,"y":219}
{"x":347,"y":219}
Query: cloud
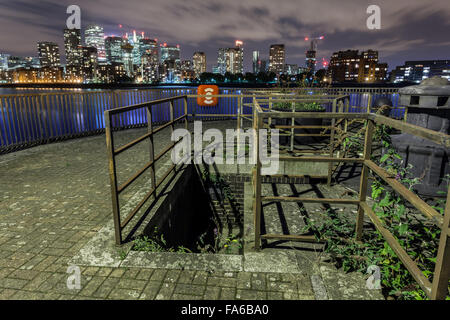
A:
{"x":210,"y":24}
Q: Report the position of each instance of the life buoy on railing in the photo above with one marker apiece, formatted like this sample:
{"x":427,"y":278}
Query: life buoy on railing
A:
{"x":208,"y":91}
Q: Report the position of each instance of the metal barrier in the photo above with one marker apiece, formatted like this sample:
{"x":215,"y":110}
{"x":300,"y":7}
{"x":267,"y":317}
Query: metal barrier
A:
{"x":31,"y":119}
{"x":119,"y":225}
{"x":436,"y":290}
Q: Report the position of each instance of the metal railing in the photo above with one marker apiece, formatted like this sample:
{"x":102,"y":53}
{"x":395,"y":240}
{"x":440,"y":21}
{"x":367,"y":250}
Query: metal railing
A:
{"x":436,"y":290}
{"x":32,"y":119}
{"x":120,"y":224}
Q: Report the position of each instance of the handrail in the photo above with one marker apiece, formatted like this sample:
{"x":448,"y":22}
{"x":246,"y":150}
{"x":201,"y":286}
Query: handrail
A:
{"x":112,"y":153}
{"x":436,"y":290}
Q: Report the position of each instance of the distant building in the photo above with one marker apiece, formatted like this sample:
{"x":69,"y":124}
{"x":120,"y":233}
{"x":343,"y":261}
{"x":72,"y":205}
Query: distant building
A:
{"x":48,"y":53}
{"x":170,"y":53}
{"x":15,"y":62}
{"x":149,"y":60}
{"x":110,"y":72}
{"x":416,"y":71}
{"x":90,"y":64}
{"x":32,"y":62}
{"x":256,"y":62}
{"x":232,"y":59}
{"x":113,"y":47}
{"x":127,"y":59}
{"x":291,"y":69}
{"x":221,"y":61}
{"x":277,"y":58}
{"x":149,"y":47}
{"x":199,"y":63}
{"x":95,"y":37}
{"x":216,"y":69}
{"x":72,"y":45}
{"x":4,"y":61}
{"x":351,"y":66}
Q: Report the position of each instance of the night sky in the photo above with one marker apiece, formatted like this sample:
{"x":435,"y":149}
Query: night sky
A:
{"x":410,"y":30}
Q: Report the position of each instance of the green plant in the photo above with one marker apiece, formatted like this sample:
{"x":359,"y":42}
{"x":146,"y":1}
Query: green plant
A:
{"x":232,"y":244}
{"x":156,"y":244}
{"x":122,"y":254}
{"x":419,"y":237}
{"x":299,"y":106}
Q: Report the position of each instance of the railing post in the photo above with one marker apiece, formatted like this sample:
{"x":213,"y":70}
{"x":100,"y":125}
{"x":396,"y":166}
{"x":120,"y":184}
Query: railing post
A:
{"x":186,"y":120}
{"x":364,"y":178}
{"x":113,"y":178}
{"x":441,"y":275}
{"x":257,"y":180}
{"x":369,"y":102}
{"x":152,"y":150}
{"x":331,"y":164}
{"x":292,"y":129}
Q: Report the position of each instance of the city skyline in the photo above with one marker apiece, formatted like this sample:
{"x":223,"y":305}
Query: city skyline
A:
{"x":406,"y":34}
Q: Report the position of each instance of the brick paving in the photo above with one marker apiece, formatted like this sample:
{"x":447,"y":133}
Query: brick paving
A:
{"x":54,"y":198}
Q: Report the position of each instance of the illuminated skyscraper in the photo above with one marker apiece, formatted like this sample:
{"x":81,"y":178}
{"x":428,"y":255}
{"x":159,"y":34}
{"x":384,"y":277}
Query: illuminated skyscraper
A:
{"x":113,"y":46}
{"x":72,"y":45}
{"x":221,"y":61}
{"x":239,"y":57}
{"x":170,"y":53}
{"x":90,"y":63}
{"x":234,"y":58}
{"x":4,"y":61}
{"x":95,"y":37}
{"x":257,"y":63}
{"x":199,"y":62}
{"x":127,"y":58}
{"x":277,"y":58}
{"x":149,"y":60}
{"x":48,"y":53}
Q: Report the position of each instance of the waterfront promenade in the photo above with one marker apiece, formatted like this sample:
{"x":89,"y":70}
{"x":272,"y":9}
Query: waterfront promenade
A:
{"x":55,"y":198}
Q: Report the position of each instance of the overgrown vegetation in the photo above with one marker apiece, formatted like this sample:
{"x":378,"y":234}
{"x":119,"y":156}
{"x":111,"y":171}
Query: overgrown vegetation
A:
{"x":156,"y":243}
{"x":417,"y":235}
{"x":299,"y":106}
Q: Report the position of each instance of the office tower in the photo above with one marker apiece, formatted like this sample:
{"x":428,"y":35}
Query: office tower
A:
{"x":149,"y":47}
{"x":416,"y":71}
{"x":48,"y":53}
{"x":215,"y":69}
{"x":15,"y":62}
{"x":95,"y":37}
{"x":199,"y":63}
{"x":170,"y":53}
{"x":277,"y":58}
{"x":32,"y":62}
{"x":221,"y":61}
{"x":291,"y":69}
{"x":149,"y":60}
{"x":4,"y":61}
{"x":90,"y":63}
{"x":72,"y":45}
{"x":113,"y":47}
{"x":135,"y":41}
{"x":256,"y":62}
{"x":127,"y":58}
{"x":351,"y":66}
{"x":239,"y":57}
{"x":233,"y":59}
